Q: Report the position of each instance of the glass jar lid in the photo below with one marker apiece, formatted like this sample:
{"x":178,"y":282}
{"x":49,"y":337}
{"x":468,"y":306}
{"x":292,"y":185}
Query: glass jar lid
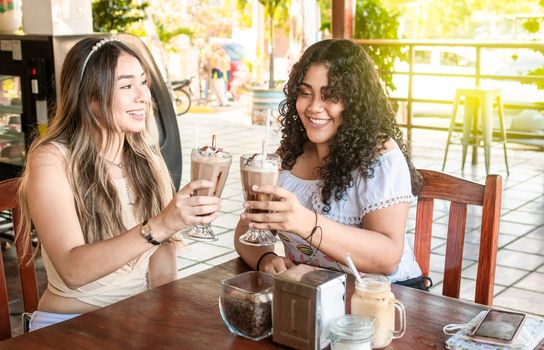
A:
{"x":373,"y":283}
{"x":352,"y":328}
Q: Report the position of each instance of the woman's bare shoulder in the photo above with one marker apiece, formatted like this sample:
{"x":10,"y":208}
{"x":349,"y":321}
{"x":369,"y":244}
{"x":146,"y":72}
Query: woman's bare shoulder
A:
{"x":390,"y":145}
{"x":47,"y":159}
{"x":47,"y":153}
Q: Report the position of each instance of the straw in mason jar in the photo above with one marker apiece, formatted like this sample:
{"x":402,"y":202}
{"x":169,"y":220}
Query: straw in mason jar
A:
{"x":352,"y":268}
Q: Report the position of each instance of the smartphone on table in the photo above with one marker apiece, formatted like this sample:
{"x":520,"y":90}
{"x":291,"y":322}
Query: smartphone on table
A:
{"x":499,"y":327}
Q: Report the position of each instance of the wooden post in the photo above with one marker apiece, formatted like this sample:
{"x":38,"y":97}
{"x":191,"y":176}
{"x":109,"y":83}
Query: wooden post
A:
{"x":343,"y":18}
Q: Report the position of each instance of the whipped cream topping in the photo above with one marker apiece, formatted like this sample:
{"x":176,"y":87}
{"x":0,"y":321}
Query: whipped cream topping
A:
{"x":213,"y":150}
{"x":212,"y":154}
{"x":210,"y":150}
{"x":260,"y":161}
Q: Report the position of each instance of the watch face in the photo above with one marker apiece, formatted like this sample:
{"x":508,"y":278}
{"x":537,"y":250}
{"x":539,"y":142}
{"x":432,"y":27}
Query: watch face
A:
{"x":146,"y":230}
{"x":146,"y":233}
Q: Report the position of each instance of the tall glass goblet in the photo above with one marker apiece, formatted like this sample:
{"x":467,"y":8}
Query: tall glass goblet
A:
{"x":210,"y":164}
{"x":258,"y":169}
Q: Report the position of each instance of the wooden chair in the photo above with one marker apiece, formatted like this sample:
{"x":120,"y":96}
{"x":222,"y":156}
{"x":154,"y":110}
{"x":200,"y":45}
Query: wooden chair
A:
{"x":460,"y":193}
{"x":27,"y":272}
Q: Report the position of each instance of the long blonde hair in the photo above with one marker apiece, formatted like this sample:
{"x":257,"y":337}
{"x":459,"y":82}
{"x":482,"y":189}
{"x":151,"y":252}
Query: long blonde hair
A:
{"x":82,"y":130}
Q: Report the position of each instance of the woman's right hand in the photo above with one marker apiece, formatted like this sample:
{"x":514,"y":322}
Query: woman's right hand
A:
{"x":274,"y":264}
{"x":185,"y":210}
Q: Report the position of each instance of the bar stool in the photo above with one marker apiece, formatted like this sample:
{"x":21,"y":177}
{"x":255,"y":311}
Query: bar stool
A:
{"x":478,"y":111}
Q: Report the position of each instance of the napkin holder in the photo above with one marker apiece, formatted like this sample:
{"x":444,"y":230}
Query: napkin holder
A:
{"x":306,"y":299}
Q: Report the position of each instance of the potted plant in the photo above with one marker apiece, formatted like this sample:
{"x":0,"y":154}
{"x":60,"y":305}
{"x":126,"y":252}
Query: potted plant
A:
{"x":265,"y":99}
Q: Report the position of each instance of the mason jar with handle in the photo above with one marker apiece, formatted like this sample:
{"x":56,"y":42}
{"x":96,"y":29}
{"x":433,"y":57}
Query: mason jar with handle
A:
{"x":373,"y":297}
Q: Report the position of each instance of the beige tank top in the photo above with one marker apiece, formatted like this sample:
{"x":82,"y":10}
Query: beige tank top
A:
{"x":127,"y":281}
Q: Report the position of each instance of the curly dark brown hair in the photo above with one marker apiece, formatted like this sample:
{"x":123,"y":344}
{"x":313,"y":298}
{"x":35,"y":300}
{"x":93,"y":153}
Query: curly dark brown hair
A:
{"x":368,"y":118}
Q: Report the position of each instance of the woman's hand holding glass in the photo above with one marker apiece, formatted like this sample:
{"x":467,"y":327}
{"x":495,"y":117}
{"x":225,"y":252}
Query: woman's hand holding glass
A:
{"x":285,"y":213}
{"x":185,"y":210}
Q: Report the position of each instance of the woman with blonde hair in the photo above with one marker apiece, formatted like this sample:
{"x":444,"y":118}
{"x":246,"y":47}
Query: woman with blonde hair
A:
{"x":98,"y":191}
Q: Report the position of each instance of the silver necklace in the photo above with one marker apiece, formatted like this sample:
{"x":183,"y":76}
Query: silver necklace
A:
{"x":124,"y":174}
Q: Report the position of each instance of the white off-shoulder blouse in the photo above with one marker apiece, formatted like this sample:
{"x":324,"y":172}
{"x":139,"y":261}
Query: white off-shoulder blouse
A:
{"x":390,"y":185}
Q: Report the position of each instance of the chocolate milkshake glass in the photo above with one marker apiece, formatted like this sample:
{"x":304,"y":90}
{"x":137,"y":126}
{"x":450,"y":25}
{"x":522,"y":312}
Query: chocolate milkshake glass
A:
{"x":212,"y":164}
{"x":258,"y":169}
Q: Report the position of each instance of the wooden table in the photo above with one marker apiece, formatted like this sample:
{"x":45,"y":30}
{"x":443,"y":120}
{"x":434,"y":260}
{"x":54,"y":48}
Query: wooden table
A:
{"x":184,"y":314}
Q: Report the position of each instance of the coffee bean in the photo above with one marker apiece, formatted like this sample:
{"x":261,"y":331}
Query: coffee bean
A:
{"x":252,"y":318}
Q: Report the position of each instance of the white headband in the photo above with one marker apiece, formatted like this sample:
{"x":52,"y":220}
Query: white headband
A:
{"x":95,"y":48}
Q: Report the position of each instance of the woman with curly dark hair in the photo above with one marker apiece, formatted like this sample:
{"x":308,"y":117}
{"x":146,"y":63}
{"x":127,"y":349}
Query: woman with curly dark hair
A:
{"x":347,"y":180}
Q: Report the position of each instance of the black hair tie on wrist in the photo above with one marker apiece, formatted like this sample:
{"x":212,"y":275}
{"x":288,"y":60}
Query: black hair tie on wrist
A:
{"x":314,"y":229}
{"x":261,"y":259}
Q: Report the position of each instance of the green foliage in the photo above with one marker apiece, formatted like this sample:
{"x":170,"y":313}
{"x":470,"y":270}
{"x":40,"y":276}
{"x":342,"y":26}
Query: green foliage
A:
{"x":281,"y":16}
{"x":246,"y":15}
{"x":165,"y":34}
{"x":116,"y":15}
{"x":326,"y":26}
{"x":278,"y":8}
{"x":270,"y":6}
{"x":446,"y":19}
{"x":277,"y":14}
{"x":537,"y":72}
{"x":373,"y":21}
{"x":532,"y":25}
{"x":325,"y":7}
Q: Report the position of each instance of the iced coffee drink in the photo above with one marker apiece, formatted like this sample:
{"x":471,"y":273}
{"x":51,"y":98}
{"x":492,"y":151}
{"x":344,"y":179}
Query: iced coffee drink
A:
{"x":373,"y":298}
{"x":258,"y":169}
{"x":212,"y":164}
{"x":209,"y":163}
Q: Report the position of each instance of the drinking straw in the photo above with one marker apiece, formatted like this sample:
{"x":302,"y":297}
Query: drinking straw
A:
{"x":352,"y":268}
{"x":214,"y":141}
{"x":195,"y":133}
{"x":266,"y":127}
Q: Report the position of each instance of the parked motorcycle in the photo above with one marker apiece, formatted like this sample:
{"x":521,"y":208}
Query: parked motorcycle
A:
{"x":181,"y":93}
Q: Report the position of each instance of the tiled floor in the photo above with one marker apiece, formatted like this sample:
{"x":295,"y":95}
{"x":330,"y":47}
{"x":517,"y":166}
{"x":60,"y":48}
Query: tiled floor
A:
{"x":520,"y":262}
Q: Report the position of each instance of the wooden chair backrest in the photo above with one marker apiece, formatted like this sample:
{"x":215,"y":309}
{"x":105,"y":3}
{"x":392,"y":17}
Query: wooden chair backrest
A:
{"x":460,"y":193}
{"x":27,"y":271}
